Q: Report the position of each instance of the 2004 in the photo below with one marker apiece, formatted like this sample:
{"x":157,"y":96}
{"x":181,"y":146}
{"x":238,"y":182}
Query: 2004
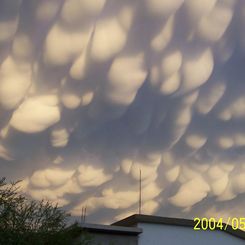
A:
{"x":212,"y":223}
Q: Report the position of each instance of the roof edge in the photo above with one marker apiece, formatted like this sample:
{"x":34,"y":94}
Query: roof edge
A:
{"x":134,"y":219}
{"x":111,"y":229}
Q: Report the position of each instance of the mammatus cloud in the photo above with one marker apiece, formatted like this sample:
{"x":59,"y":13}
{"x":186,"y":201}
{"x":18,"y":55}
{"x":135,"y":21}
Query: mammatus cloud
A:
{"x":93,"y":91}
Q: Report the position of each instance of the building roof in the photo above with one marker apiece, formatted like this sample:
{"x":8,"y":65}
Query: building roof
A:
{"x":110,"y":229}
{"x":139,"y":218}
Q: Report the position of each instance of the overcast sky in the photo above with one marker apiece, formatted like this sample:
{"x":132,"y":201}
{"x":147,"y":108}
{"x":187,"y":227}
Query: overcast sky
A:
{"x":93,"y":91}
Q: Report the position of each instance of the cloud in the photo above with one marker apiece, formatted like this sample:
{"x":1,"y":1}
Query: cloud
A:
{"x":159,"y":8}
{"x":213,"y":25}
{"x":126,"y":75}
{"x":59,"y":137}
{"x":36,"y":114}
{"x":89,"y":176}
{"x":14,"y":83}
{"x":94,"y":91}
{"x":197,"y":68}
{"x":50,"y":177}
{"x":190,"y":193}
{"x":8,"y":29}
{"x":62,"y":46}
{"x":108,"y":40}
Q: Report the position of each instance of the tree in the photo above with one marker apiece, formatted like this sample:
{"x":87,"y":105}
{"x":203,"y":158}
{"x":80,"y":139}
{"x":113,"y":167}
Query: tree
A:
{"x":24,"y":221}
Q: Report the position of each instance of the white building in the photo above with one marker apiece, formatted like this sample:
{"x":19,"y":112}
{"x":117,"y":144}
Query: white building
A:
{"x":153,"y":230}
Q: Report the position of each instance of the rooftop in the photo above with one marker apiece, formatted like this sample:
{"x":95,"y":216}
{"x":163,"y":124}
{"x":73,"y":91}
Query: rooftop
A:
{"x":111,"y":229}
{"x":139,"y":218}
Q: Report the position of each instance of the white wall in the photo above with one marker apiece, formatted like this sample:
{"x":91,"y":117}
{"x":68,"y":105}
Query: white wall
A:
{"x":157,"y":234}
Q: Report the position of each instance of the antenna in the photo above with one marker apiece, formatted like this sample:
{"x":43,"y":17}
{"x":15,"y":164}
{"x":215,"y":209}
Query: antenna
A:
{"x":140,"y":193}
{"x":83,"y":216}
{"x":85,"y":211}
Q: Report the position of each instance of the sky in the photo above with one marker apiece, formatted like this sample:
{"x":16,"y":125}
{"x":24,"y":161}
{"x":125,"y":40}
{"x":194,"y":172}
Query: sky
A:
{"x":93,"y":91}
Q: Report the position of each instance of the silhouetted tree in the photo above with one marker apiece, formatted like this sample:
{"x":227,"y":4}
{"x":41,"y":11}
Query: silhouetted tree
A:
{"x":24,"y":221}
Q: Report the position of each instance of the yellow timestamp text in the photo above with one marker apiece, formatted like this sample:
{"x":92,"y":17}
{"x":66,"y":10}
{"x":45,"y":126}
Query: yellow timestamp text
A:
{"x":220,"y":224}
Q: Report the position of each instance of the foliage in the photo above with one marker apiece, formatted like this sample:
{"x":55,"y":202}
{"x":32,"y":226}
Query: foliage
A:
{"x":24,"y":221}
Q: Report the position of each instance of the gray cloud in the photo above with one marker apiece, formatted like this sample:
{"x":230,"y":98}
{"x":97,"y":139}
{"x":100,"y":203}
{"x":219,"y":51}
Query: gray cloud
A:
{"x":93,"y":91}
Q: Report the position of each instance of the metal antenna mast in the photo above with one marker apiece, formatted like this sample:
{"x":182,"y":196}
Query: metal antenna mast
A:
{"x":140,"y":193}
{"x":83,"y":216}
{"x":85,"y":213}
